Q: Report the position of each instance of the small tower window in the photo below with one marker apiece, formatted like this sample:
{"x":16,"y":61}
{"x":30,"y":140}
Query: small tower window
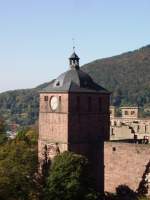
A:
{"x":132,"y":112}
{"x":89,"y":104}
{"x":45,"y":98}
{"x":114,"y":148}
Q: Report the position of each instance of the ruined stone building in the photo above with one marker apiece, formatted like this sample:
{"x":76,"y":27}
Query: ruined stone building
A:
{"x":129,"y":125}
{"x":74,"y":116}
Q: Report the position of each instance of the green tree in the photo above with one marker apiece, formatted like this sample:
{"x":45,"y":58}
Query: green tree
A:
{"x":69,"y":179}
{"x":18,"y":166}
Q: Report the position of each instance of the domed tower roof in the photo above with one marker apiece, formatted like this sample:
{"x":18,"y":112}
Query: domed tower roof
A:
{"x":74,"y":56}
{"x":74,"y":80}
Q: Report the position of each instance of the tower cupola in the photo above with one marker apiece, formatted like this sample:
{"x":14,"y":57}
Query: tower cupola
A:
{"x":74,"y":61}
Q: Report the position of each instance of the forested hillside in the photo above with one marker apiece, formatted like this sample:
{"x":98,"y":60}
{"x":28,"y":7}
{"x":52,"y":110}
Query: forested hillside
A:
{"x":127,"y":76}
{"x":20,"y":106}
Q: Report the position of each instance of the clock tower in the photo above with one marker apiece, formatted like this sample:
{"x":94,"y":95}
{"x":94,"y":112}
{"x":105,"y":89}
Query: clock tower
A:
{"x":74,"y":116}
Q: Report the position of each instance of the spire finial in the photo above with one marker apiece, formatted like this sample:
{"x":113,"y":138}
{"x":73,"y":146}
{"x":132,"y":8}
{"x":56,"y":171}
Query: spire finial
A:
{"x":73,"y":42}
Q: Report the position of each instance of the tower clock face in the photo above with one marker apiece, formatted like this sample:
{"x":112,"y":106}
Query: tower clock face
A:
{"x":54,"y":103}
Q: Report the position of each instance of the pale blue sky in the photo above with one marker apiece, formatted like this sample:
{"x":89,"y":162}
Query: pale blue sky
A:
{"x":36,"y":35}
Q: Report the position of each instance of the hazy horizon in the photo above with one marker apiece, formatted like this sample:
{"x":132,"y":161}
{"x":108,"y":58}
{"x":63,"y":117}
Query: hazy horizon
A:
{"x":36,"y":37}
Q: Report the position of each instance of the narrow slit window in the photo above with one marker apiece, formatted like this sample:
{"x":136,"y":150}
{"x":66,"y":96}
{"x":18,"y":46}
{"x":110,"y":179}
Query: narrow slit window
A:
{"x":59,"y":99}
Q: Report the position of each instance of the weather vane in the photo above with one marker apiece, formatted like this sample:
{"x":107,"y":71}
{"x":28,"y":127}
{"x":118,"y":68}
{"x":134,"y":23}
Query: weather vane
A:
{"x":73,"y":42}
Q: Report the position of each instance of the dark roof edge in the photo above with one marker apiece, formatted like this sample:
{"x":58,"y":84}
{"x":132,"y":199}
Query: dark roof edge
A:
{"x":65,"y":91}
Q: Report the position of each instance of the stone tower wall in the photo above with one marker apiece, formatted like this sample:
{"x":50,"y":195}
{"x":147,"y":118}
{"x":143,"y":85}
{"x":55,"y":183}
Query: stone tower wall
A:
{"x":88,"y":129}
{"x":91,"y":120}
{"x":53,"y":126}
{"x":125,"y":164}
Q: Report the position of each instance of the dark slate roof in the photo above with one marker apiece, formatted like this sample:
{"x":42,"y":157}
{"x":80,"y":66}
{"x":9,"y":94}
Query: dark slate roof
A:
{"x":74,"y":56}
{"x":74,"y":80}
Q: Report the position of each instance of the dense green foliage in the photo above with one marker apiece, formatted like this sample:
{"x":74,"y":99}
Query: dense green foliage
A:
{"x":126,"y":76}
{"x":2,"y":126}
{"x":18,"y":166}
{"x":3,"y":136}
{"x":69,"y":179}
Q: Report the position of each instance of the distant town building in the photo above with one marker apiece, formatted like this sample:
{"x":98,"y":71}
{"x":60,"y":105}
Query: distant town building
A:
{"x":12,"y":130}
